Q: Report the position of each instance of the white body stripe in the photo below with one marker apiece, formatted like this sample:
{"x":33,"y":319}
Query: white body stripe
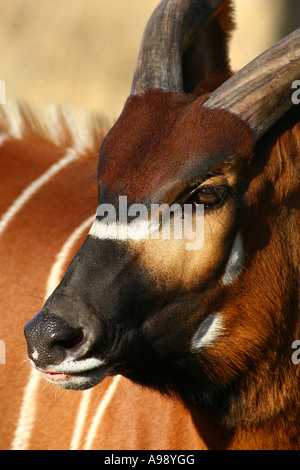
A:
{"x":208,"y":332}
{"x":235,"y":262}
{"x":100,"y":412}
{"x":27,"y":413}
{"x":34,"y":187}
{"x":80,"y":420}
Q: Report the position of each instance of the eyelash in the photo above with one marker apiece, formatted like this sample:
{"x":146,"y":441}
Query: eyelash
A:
{"x":211,"y":196}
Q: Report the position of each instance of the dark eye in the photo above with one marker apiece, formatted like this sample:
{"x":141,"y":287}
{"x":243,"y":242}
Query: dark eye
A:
{"x":211,"y":196}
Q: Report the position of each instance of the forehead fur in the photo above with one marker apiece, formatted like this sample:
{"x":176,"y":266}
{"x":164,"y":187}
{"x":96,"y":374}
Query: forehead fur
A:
{"x":161,"y":137}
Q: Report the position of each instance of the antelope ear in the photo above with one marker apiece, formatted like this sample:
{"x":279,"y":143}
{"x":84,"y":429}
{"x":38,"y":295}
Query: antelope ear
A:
{"x":171,"y":30}
{"x":208,"y":54}
{"x":261,"y":92}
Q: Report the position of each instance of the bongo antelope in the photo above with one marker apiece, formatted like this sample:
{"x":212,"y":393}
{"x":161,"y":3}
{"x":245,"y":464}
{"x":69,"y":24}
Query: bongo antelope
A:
{"x":212,"y":327}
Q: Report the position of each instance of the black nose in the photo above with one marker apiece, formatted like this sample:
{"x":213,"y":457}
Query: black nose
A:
{"x":50,"y":339}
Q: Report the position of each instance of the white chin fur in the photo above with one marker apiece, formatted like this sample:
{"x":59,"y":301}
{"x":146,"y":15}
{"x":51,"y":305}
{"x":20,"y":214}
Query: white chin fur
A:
{"x":76,"y":367}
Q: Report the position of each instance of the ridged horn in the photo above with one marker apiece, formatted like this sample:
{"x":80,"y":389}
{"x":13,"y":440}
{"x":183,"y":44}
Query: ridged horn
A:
{"x":261,"y":92}
{"x":169,"y":32}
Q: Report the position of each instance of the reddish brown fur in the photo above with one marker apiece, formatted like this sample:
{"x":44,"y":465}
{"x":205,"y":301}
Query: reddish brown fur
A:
{"x":266,"y":415}
{"x":262,"y":307}
{"x":160,"y":156}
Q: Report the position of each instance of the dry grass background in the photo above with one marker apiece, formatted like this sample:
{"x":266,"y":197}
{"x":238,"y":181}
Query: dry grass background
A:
{"x":83,"y":52}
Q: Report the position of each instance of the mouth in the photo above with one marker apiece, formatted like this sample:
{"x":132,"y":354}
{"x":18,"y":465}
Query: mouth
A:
{"x":74,"y":378}
{"x":54,"y":376}
{"x":75,"y":381}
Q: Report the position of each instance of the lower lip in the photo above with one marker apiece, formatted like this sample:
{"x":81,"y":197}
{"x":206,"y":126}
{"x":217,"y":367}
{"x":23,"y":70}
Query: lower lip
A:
{"x":75,"y":381}
{"x":55,"y":377}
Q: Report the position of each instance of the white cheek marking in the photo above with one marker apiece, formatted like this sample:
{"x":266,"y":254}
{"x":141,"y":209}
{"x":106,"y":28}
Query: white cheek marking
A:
{"x":235,"y":262}
{"x":208,"y":332}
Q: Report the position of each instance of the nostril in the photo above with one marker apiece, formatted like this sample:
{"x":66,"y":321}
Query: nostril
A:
{"x":70,"y":341}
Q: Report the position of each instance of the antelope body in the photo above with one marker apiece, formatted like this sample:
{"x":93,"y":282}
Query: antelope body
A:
{"x":212,"y":328}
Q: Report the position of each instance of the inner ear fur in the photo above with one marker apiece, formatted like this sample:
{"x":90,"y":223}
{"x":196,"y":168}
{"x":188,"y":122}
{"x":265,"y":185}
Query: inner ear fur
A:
{"x":205,"y":64}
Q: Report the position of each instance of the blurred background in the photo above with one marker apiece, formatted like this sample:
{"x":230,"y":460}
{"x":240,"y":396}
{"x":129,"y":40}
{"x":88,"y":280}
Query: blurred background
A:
{"x":83,"y":52}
